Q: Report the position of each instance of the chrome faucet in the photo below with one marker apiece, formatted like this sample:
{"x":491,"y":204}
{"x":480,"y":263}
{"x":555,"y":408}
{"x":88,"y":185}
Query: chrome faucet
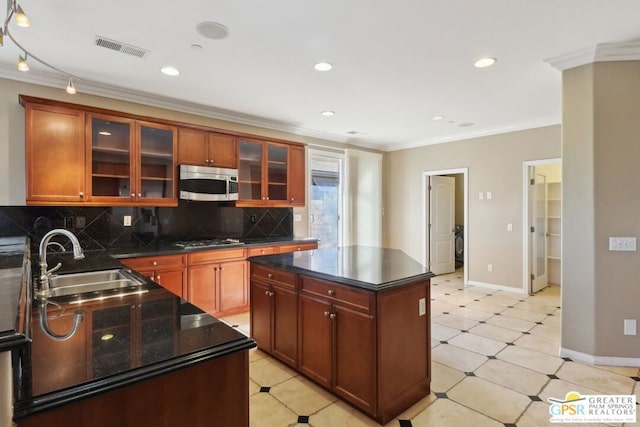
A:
{"x":44,"y":273}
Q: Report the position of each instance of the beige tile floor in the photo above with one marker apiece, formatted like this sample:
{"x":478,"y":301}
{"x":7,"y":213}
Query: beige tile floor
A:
{"x":494,"y":363}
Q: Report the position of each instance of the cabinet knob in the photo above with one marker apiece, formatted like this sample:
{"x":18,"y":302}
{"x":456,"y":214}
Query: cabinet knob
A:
{"x":326,"y":314}
{"x":155,"y":262}
{"x":139,"y":194}
{"x":332,"y":316}
{"x":292,"y":199}
{"x":153,"y":278}
{"x":206,"y":161}
{"x":299,"y":248}
{"x":268,"y":293}
{"x":133,"y":195}
{"x":210,"y":161}
{"x":158,"y":277}
{"x":81,"y":194}
{"x":221,"y":268}
{"x":269,"y":275}
{"x":331,"y":292}
{"x":267,"y":197}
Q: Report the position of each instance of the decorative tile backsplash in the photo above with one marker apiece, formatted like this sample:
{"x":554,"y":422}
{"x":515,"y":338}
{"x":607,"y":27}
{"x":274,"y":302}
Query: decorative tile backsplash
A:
{"x":103,"y":228}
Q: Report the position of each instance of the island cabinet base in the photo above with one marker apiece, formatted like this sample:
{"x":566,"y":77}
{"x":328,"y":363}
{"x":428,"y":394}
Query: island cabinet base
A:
{"x":210,"y":393}
{"x":369,"y":347}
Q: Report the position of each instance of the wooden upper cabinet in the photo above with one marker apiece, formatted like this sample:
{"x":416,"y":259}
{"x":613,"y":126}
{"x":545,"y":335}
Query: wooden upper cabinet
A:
{"x":55,"y":154}
{"x":297,"y":176}
{"x":266,"y":174}
{"x":131,"y":162}
{"x":201,"y":148}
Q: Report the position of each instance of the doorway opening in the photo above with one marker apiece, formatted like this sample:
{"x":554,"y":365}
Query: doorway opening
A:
{"x":542,"y":228}
{"x":445,"y":220}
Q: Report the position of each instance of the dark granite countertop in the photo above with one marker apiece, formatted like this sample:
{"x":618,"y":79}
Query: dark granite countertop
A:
{"x":14,"y":293}
{"x":120,"y":341}
{"x":365,"y":267}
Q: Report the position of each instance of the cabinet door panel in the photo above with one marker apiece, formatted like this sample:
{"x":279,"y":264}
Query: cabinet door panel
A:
{"x":355,"y":357}
{"x":222,"y":151}
{"x":201,"y":287}
{"x":297,"y":176}
{"x":172,"y":280}
{"x":55,"y":153}
{"x":315,"y":339}
{"x":285,"y":321}
{"x":192,"y":147}
{"x":157,"y":152}
{"x":232,"y":286}
{"x":277,"y":159}
{"x":250,"y":170}
{"x":261,"y":308}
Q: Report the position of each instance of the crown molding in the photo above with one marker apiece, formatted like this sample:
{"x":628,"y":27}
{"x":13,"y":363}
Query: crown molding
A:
{"x":88,"y":87}
{"x":477,"y":134}
{"x":601,"y":52}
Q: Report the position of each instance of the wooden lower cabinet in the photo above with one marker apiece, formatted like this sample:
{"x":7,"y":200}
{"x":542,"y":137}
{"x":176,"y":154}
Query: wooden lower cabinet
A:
{"x":166,"y":270}
{"x":212,"y":393}
{"x":370,"y":348}
{"x":220,"y":288}
{"x":274,"y":312}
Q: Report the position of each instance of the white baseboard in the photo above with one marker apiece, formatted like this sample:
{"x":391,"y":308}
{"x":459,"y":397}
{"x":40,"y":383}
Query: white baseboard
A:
{"x":600,"y":360}
{"x":496,"y":287}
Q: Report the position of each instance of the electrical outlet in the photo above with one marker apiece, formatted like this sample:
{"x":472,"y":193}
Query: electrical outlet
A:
{"x":489,"y":267}
{"x":80,"y":222}
{"x":253,"y":219}
{"x":509,"y":227}
{"x":68,"y":222}
{"x":127,"y":220}
{"x":630,"y":327}
{"x":297,"y":217}
{"x":422,"y":307}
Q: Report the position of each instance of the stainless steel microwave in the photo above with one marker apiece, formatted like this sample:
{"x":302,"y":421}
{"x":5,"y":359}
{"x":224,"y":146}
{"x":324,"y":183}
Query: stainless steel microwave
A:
{"x":205,"y":183}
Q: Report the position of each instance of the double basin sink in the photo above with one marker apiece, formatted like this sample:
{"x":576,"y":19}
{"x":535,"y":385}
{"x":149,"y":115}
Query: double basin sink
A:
{"x":95,"y":284}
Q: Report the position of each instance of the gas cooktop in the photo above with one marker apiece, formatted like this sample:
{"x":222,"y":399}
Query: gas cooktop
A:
{"x":205,"y":243}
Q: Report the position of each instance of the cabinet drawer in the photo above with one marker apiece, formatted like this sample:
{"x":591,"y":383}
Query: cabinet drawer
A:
{"x":265,"y":250}
{"x":214,"y":256}
{"x":154,"y":263}
{"x":297,"y":247}
{"x":273,"y":275}
{"x":356,"y":298}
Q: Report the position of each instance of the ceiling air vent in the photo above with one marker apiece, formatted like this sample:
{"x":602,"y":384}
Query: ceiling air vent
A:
{"x":121,"y":47}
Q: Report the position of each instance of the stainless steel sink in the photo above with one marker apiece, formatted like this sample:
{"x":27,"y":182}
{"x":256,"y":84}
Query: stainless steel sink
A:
{"x":93,"y":282}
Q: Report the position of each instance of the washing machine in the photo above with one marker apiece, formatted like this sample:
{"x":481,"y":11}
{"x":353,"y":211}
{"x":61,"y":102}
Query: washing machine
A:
{"x":459,"y":245}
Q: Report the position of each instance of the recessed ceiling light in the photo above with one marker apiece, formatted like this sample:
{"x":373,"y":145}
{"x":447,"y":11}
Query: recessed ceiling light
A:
{"x":485,"y":62}
{"x":104,"y":132}
{"x":169,"y":71}
{"x":437,"y":117}
{"x":323,"y":66}
{"x":328,"y":113}
{"x":196,"y":46}
{"x":212,"y":30}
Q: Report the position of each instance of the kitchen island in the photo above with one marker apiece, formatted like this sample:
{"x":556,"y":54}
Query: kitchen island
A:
{"x":355,"y":320}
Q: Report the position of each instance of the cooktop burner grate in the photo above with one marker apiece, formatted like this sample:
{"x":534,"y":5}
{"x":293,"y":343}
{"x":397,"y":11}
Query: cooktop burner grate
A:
{"x":189,"y":244}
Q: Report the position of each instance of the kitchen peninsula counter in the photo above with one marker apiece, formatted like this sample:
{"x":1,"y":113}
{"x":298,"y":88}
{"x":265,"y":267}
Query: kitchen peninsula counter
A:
{"x":355,"y":320}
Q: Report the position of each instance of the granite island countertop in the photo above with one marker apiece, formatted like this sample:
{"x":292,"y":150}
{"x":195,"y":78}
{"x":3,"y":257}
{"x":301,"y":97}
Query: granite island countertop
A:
{"x":366,"y":267}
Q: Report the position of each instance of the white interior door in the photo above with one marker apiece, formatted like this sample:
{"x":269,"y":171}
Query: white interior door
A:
{"x":538,"y":217}
{"x":442,"y":224}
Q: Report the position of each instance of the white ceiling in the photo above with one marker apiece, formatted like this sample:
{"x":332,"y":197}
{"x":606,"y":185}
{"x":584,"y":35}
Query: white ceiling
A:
{"x":396,"y":63}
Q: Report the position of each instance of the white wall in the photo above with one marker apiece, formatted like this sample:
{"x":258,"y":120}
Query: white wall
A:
{"x":494,"y":164}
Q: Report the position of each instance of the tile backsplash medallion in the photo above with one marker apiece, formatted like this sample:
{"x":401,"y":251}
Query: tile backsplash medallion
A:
{"x":103,"y":228}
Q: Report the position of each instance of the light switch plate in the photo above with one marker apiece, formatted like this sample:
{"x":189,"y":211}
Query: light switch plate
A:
{"x":489,"y":195}
{"x":630,"y":327}
{"x":422,"y":307}
{"x":297,"y":217}
{"x":127,"y":221}
{"x":509,"y":227}
{"x":481,"y":196}
{"x":622,"y":244}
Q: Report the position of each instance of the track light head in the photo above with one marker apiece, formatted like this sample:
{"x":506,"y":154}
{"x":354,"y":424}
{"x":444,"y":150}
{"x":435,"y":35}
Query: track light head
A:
{"x":71,"y":89}
{"x":22,"y":20}
{"x":22,"y":63}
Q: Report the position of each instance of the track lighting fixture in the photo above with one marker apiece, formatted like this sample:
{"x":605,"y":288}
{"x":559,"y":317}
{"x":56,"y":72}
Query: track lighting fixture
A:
{"x":22,"y":20}
{"x":22,"y":63}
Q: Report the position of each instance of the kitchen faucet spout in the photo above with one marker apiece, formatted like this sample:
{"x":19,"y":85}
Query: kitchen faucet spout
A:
{"x":44,"y":273}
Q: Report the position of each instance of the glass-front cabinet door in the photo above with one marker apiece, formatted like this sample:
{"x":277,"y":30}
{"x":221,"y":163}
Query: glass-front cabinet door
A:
{"x":112,"y":171}
{"x":277,"y":172}
{"x":250,"y":170}
{"x":157,"y":162}
{"x":132,"y":162}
